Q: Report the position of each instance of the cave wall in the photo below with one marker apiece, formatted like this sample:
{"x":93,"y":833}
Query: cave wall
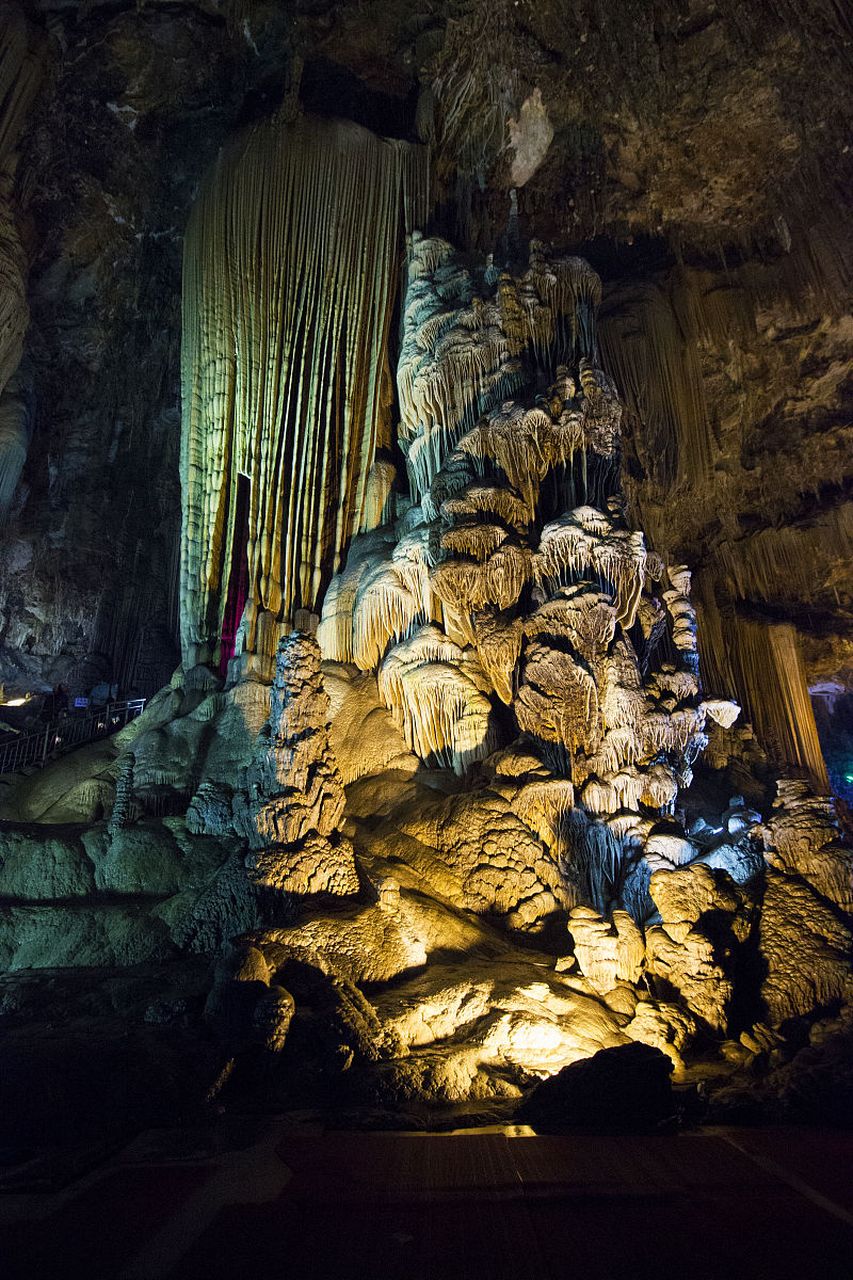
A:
{"x":134,"y":106}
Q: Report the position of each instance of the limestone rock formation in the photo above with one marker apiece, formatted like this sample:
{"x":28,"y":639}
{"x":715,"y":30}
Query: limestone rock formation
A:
{"x":802,"y":838}
{"x":608,"y":952}
{"x":624,"y":1089}
{"x":704,"y":919}
{"x":296,"y":798}
{"x":20,"y":74}
{"x":513,"y":579}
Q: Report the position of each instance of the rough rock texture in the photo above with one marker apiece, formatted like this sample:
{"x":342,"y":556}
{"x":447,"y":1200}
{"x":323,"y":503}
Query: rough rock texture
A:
{"x":802,"y":839}
{"x":806,"y":944}
{"x":296,"y":797}
{"x":92,"y":896}
{"x":512,"y":578}
{"x":619,"y":125}
{"x":608,"y":952}
{"x":704,"y":918}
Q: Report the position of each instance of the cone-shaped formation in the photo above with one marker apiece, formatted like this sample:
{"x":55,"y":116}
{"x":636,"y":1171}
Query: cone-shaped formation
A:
{"x":290,"y":265}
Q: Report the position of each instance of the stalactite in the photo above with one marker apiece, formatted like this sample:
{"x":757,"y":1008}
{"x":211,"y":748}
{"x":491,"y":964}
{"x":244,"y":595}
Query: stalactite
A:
{"x":437,"y":694}
{"x":771,"y":680}
{"x":544,"y":806}
{"x":760,"y":663}
{"x":385,"y":610}
{"x":473,"y":91}
{"x":586,"y":539}
{"x":655,"y":367}
{"x":463,"y":339}
{"x":791,"y":562}
{"x":487,"y":499}
{"x":289,"y":270}
{"x":499,"y":580}
{"x":717,"y":673}
{"x":592,"y":859}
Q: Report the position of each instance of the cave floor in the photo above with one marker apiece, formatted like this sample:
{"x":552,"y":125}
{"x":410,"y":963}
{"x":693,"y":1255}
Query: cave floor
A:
{"x":273,"y":1200}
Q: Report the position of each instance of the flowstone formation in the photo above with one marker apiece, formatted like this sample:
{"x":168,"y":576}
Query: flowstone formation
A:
{"x":517,"y":622}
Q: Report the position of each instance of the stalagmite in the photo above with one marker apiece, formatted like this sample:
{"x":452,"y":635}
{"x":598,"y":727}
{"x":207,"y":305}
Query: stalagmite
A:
{"x":475,"y":606}
{"x":289,"y":270}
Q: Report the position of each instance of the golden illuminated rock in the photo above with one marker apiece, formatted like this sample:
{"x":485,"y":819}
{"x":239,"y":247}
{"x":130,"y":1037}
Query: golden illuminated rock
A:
{"x":296,"y":797}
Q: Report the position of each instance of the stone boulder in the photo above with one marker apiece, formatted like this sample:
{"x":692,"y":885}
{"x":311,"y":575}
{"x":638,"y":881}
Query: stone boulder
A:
{"x":621,"y":1090}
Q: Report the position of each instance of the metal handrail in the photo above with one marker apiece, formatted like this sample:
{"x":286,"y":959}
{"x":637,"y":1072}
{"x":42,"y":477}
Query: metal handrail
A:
{"x":66,"y":733}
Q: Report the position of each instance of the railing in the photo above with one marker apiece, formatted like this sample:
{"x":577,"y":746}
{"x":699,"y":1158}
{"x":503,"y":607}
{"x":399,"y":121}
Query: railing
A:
{"x":66,"y":733}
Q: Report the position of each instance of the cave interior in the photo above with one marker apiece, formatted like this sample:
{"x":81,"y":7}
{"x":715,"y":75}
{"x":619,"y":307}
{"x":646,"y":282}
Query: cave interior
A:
{"x":426,"y":663}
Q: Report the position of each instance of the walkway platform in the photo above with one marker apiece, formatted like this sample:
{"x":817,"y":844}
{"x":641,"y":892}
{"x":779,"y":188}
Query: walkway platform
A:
{"x":273,"y":1201}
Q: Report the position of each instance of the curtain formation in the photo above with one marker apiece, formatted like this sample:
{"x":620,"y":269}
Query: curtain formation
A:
{"x":768,"y":667}
{"x":761,"y":662}
{"x":290,"y":267}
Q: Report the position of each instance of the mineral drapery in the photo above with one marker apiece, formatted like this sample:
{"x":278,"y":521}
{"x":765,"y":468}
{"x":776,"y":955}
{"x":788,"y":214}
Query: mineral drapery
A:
{"x":290,"y":268}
